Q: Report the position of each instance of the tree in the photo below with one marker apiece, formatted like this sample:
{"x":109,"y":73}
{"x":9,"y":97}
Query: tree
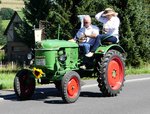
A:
{"x":6,"y":13}
{"x":64,"y":13}
{"x":36,"y":10}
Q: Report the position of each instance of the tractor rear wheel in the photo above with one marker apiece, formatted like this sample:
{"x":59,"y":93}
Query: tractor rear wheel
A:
{"x":24,"y":84}
{"x":70,"y":87}
{"x":111,"y":73}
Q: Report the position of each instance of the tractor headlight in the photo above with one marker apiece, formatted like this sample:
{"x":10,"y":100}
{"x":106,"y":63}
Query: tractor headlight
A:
{"x":62,"y":58}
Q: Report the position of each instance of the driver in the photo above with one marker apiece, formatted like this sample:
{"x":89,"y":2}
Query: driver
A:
{"x":87,"y":34}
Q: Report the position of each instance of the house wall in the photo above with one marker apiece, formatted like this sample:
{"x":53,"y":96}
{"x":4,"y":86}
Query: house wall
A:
{"x":16,"y":51}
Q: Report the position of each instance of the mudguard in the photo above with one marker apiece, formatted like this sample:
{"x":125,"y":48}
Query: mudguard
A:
{"x":104,"y":48}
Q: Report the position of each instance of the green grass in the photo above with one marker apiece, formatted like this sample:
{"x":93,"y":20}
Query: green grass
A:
{"x":144,"y":69}
{"x":5,"y":23}
{"x":6,"y":80}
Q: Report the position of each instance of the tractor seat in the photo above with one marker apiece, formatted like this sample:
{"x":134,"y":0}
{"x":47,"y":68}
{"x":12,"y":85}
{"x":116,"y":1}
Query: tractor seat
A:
{"x":107,"y":43}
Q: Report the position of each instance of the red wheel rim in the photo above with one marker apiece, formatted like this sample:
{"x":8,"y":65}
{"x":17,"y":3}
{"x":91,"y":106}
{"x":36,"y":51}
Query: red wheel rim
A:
{"x":73,"y":87}
{"x":115,"y":73}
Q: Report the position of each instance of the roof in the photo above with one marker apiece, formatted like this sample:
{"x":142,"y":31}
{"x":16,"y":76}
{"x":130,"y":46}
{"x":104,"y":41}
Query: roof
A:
{"x":20,"y":14}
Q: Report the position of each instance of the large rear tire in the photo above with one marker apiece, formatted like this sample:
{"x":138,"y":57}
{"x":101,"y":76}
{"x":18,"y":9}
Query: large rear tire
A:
{"x":111,"y":73}
{"x":24,"y":84}
{"x":70,"y":87}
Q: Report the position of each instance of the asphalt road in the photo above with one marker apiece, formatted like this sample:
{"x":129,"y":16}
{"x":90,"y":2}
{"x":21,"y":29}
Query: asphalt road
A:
{"x":133,"y":99}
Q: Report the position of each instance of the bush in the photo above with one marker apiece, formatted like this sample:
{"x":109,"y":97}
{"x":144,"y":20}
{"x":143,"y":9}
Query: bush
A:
{"x":6,"y":13}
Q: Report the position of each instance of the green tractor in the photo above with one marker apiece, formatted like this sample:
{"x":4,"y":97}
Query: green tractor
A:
{"x":58,"y":61}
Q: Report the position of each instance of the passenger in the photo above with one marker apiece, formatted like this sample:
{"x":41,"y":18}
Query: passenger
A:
{"x":110,"y":29}
{"x":87,"y":34}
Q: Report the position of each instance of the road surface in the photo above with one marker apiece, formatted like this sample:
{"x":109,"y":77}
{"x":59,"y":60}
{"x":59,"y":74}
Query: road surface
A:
{"x":133,"y":99}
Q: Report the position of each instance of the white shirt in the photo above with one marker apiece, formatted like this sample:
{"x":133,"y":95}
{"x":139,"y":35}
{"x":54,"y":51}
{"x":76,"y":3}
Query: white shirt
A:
{"x":88,"y":31}
{"x":111,"y":25}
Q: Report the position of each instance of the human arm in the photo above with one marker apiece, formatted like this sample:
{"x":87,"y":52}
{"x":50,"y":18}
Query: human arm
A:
{"x":93,"y":33}
{"x":100,"y":18}
{"x":72,"y":40}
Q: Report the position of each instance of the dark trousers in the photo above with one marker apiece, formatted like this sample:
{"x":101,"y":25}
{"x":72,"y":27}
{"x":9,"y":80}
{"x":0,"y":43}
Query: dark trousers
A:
{"x":103,"y":38}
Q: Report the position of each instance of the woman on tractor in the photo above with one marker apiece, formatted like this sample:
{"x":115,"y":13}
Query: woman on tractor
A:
{"x":110,"y":29}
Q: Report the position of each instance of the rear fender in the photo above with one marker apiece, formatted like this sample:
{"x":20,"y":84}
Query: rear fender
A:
{"x":105,"y":48}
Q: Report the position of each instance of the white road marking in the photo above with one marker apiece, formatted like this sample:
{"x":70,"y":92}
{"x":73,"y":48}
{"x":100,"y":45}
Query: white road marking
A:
{"x":1,"y":99}
{"x":88,"y":86}
{"x":136,"y":80}
{"x":127,"y":81}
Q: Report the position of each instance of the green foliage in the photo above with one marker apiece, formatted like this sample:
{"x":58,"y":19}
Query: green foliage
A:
{"x":6,"y":80}
{"x":6,"y":13}
{"x":36,"y":10}
{"x":134,"y":30}
{"x":1,"y":55}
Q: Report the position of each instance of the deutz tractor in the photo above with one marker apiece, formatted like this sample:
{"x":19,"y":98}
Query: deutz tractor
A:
{"x":58,"y":61}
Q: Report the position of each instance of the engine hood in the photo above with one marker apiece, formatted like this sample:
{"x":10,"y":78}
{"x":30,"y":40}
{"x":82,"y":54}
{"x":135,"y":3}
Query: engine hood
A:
{"x":55,"y":44}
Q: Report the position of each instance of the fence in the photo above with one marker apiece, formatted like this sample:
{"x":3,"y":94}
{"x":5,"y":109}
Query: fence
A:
{"x":11,"y":66}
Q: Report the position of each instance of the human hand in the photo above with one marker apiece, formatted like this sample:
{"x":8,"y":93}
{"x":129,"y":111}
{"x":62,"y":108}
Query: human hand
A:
{"x":71,"y":40}
{"x":105,"y":30}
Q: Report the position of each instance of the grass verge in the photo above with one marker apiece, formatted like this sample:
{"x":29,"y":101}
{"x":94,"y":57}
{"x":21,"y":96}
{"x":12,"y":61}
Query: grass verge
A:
{"x":7,"y":77}
{"x":144,"y":69}
{"x":6,"y":80}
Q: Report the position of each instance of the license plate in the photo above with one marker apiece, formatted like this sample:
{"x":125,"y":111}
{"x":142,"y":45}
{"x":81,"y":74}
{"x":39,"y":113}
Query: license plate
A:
{"x":40,"y":62}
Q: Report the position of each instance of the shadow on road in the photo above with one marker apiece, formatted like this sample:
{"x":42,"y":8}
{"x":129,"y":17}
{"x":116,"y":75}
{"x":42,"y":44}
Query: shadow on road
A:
{"x":90,"y":94}
{"x":47,"y":95}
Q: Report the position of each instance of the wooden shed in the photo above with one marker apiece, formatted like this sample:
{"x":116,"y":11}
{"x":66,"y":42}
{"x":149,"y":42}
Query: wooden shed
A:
{"x":15,"y":50}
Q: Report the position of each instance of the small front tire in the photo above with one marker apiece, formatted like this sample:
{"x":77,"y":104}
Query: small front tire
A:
{"x":24,"y":84}
{"x":70,"y":87}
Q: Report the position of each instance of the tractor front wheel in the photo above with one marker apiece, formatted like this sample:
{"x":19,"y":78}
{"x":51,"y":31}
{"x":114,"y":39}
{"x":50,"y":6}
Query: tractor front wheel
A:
{"x":24,"y":84}
{"x":70,"y":87}
{"x":111,"y":73}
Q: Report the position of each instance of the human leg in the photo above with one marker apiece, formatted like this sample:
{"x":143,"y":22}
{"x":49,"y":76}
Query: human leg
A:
{"x":86,"y":47}
{"x":97,"y":43}
{"x":111,"y":39}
